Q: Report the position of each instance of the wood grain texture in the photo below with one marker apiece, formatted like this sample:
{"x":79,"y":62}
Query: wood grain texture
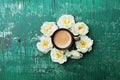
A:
{"x":20,"y":22}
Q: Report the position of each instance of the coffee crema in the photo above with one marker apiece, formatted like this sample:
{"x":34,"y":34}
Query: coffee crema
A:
{"x":62,"y":39}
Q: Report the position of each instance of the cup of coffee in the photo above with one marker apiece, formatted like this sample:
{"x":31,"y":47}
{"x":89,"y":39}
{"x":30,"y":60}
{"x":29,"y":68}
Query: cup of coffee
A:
{"x":63,"y":39}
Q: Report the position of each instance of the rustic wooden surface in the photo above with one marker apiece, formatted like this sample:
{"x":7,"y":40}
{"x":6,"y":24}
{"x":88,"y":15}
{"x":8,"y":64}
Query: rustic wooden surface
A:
{"x":20,"y":22}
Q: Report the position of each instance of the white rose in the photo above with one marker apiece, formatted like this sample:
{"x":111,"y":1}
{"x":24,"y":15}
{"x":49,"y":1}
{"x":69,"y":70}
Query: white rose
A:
{"x":45,"y":44}
{"x":84,"y":44}
{"x":80,"y":28}
{"x":74,"y":54}
{"x":58,"y":56}
{"x":66,"y":21}
{"x":48,"y":28}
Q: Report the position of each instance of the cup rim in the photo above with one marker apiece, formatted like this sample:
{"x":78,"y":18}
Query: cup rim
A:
{"x":52,"y":38}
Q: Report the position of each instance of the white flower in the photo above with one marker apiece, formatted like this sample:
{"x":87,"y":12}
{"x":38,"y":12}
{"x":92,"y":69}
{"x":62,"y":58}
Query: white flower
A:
{"x":44,"y":45}
{"x":48,"y":28}
{"x":80,"y":28}
{"x":74,"y":54}
{"x":84,"y":44}
{"x":66,"y":21}
{"x":58,"y":56}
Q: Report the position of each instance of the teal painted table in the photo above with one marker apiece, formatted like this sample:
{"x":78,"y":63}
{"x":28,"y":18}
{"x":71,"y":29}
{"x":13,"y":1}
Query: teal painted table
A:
{"x":20,"y":22}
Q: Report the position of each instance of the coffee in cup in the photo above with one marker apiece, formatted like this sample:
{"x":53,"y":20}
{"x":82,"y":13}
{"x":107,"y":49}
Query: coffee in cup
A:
{"x":62,"y":39}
